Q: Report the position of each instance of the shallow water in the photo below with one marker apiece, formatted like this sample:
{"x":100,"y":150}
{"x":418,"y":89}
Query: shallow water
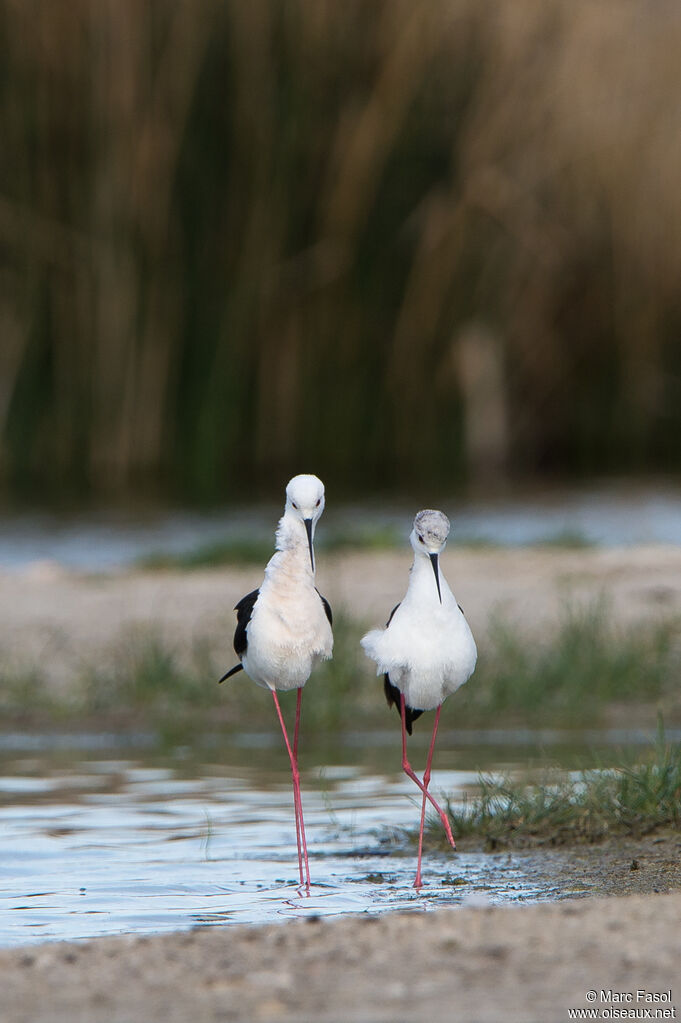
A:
{"x":126,"y":840}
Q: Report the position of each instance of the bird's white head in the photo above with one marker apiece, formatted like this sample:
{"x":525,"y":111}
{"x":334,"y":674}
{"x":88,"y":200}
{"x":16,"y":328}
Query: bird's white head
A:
{"x":429,"y":537}
{"x":305,"y":502}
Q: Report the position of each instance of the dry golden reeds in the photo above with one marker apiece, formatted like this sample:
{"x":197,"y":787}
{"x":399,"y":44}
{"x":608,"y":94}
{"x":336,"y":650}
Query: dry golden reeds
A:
{"x":241,"y":238}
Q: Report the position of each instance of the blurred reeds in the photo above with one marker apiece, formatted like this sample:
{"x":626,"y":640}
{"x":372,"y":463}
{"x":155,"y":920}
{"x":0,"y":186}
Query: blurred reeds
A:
{"x":394,"y":242}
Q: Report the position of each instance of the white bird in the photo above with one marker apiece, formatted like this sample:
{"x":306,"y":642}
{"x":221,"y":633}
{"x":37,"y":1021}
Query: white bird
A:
{"x":426,"y":651}
{"x":284,"y":628}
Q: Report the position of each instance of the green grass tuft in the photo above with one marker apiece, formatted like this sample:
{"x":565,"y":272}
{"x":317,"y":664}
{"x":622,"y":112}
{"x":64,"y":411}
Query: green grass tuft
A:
{"x":144,"y":672}
{"x":24,"y":691}
{"x":634,"y":800}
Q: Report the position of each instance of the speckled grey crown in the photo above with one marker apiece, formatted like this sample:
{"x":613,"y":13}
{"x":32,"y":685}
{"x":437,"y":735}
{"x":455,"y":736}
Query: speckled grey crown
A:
{"x":433,"y":526}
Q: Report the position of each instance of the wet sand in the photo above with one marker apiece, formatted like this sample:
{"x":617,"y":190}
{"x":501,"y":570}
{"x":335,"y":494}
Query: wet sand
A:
{"x":522,"y":964}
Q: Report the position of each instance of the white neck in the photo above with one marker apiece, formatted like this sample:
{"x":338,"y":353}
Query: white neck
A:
{"x":422,"y":580}
{"x":293,"y":550}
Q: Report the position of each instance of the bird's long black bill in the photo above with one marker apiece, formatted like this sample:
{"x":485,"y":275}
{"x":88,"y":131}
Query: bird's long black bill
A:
{"x":433,"y":561}
{"x":308,"y":527}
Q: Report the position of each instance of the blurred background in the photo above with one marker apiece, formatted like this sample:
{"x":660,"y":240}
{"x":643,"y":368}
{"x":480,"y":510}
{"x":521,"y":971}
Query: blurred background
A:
{"x":429,"y":250}
{"x":402,"y":245}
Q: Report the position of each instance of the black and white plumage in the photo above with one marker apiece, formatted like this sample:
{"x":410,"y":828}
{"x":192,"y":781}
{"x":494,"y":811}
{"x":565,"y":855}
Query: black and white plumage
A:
{"x":426,"y":651}
{"x":392,"y":693}
{"x":283,"y":628}
{"x":244,"y":610}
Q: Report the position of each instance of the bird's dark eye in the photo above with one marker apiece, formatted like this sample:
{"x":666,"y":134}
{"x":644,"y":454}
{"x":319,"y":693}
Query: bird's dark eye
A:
{"x":319,"y":501}
{"x":294,"y":505}
{"x":421,"y":539}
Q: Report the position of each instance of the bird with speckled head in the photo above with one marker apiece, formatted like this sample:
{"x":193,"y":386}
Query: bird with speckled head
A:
{"x":426,"y":651}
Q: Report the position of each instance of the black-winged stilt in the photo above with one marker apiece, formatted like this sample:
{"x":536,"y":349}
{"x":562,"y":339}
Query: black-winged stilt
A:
{"x":284,"y":628}
{"x":426,"y":651}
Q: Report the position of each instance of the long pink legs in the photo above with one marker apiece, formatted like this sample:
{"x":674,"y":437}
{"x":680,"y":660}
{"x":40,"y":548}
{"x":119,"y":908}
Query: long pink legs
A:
{"x":426,"y":782}
{"x":299,"y":815}
{"x":297,"y":801}
{"x":408,"y":770}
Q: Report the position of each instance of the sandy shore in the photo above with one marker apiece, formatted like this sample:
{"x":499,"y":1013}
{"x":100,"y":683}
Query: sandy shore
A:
{"x":488,"y":965}
{"x":522,"y":963}
{"x":63,"y":621}
{"x":529,"y":963}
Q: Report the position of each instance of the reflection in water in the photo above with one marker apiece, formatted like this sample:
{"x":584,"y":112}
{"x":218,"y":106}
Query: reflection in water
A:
{"x":110,"y":845}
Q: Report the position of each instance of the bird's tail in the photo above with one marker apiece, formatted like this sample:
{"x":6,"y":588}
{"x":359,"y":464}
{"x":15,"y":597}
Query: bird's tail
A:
{"x":232,"y":671}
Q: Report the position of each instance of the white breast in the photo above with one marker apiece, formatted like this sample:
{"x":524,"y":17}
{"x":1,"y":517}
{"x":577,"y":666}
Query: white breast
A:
{"x":428,"y":650}
{"x":288,"y":632}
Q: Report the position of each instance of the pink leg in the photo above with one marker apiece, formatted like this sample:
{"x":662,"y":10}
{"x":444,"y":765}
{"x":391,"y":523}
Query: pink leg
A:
{"x":303,"y":840}
{"x":299,"y":699}
{"x":408,"y":770}
{"x":297,"y":805}
{"x":426,"y":782}
{"x":297,"y":802}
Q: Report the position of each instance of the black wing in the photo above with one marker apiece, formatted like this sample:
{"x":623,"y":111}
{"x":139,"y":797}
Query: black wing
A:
{"x":393,"y":694}
{"x":327,"y":607}
{"x":391,"y":614}
{"x":244,"y":610}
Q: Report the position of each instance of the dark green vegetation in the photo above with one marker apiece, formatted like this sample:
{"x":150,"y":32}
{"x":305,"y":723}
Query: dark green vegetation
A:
{"x":241,"y":239}
{"x":238,"y":550}
{"x":634,"y":799}
{"x":147,"y":681}
{"x":572,"y":676}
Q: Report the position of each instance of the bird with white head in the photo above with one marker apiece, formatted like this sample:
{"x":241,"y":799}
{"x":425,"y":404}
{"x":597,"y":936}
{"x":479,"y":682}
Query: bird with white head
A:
{"x":284,"y":628}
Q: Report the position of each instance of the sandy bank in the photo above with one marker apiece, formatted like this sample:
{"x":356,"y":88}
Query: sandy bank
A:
{"x":521,"y":964}
{"x":62,"y":621}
